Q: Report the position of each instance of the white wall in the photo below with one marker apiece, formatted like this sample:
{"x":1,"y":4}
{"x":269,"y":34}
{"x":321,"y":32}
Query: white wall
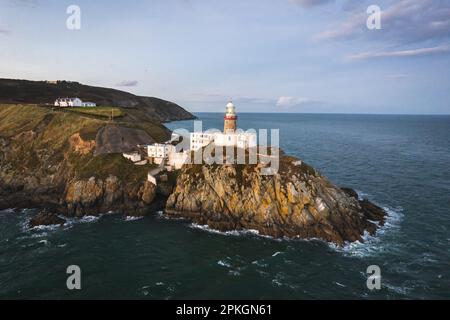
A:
{"x":161,"y":151}
{"x":151,"y":178}
{"x":135,"y":157}
{"x":200,"y":139}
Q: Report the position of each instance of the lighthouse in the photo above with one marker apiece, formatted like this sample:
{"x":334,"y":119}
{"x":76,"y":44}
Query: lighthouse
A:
{"x":230,"y":119}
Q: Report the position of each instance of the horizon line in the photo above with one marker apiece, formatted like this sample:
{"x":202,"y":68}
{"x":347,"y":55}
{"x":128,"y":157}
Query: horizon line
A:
{"x":335,"y":113}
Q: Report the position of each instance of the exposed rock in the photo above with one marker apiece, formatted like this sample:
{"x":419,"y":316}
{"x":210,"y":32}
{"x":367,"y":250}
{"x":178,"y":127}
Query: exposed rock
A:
{"x":79,"y":146}
{"x":350,"y":192}
{"x":95,"y":196}
{"x":48,"y":160}
{"x":45,"y":218}
{"x":116,"y":139}
{"x":295,"y":202}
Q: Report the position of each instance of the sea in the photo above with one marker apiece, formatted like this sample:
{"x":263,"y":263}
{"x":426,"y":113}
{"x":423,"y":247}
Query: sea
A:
{"x":400,"y":162}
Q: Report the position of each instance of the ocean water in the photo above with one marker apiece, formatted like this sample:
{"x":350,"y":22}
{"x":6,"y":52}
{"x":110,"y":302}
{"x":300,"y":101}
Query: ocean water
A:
{"x":399,"y":162}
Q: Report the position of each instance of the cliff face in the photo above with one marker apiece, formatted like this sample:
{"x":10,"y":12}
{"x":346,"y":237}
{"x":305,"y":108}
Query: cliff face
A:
{"x":296,"y":202}
{"x":93,"y":196}
{"x":48,"y":159}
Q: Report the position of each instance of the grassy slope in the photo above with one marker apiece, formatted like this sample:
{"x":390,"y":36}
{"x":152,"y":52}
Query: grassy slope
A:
{"x":39,"y":92}
{"x":100,"y":111}
{"x":52,"y":131}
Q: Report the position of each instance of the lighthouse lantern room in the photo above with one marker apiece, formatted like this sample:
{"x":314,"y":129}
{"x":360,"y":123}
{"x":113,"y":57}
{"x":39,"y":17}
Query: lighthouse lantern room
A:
{"x":230,"y":119}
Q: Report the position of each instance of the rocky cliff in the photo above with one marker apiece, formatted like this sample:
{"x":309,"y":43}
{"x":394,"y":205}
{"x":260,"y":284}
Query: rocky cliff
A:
{"x":48,"y":159}
{"x":296,"y":202}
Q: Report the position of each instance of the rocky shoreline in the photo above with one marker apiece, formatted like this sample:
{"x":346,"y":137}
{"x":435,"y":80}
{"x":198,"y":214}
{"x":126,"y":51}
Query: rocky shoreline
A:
{"x":297,"y":202}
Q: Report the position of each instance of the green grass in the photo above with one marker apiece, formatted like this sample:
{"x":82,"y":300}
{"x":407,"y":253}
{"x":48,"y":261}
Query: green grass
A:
{"x":19,"y":118}
{"x":100,"y":111}
{"x":41,"y":130}
{"x":104,"y":165}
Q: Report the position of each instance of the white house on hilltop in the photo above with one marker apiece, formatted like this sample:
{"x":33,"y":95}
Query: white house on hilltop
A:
{"x":73,"y":102}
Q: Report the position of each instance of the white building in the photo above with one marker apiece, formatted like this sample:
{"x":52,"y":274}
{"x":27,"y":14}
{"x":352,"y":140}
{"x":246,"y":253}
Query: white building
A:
{"x":68,"y":102}
{"x":242,"y":140}
{"x":133,"y":156}
{"x":229,"y":138}
{"x":151,"y":179}
{"x":72,"y":102}
{"x":159,"y":150}
{"x":166,"y":153}
{"x":200,"y":139}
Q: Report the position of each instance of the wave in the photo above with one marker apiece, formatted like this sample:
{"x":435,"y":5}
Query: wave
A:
{"x":42,"y":231}
{"x":235,"y":233}
{"x":373,"y":244}
{"x":133,"y":218}
{"x":224,"y":263}
{"x":9,"y":210}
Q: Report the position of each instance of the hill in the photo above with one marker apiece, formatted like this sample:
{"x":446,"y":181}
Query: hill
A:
{"x":48,"y":153}
{"x":14,"y":91}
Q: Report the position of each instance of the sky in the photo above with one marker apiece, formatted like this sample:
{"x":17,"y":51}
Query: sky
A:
{"x":314,"y":56}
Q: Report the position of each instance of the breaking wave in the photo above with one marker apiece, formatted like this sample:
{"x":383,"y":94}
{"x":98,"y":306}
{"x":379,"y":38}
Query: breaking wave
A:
{"x":373,"y":244}
{"x":235,"y":233}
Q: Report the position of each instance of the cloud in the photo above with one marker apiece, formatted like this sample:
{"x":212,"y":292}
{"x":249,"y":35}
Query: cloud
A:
{"x":310,"y":3}
{"x":401,"y":53}
{"x":288,"y":102}
{"x":398,"y":76}
{"x":402,"y":22}
{"x":127,"y":83}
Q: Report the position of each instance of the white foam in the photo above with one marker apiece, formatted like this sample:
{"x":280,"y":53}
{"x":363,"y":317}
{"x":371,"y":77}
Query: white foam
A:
{"x":88,"y":219}
{"x":234,"y":233}
{"x":51,"y":227}
{"x":224,"y":263}
{"x":276,"y":253}
{"x":133,"y":218}
{"x":373,"y":244}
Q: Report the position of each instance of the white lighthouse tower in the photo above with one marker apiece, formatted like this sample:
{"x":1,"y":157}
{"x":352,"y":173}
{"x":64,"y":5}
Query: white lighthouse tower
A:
{"x":230,"y":119}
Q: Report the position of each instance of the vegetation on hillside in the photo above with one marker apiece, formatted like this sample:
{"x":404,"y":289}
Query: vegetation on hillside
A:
{"x":99,"y":111}
{"x":138,"y":108}
{"x":38,"y":134}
